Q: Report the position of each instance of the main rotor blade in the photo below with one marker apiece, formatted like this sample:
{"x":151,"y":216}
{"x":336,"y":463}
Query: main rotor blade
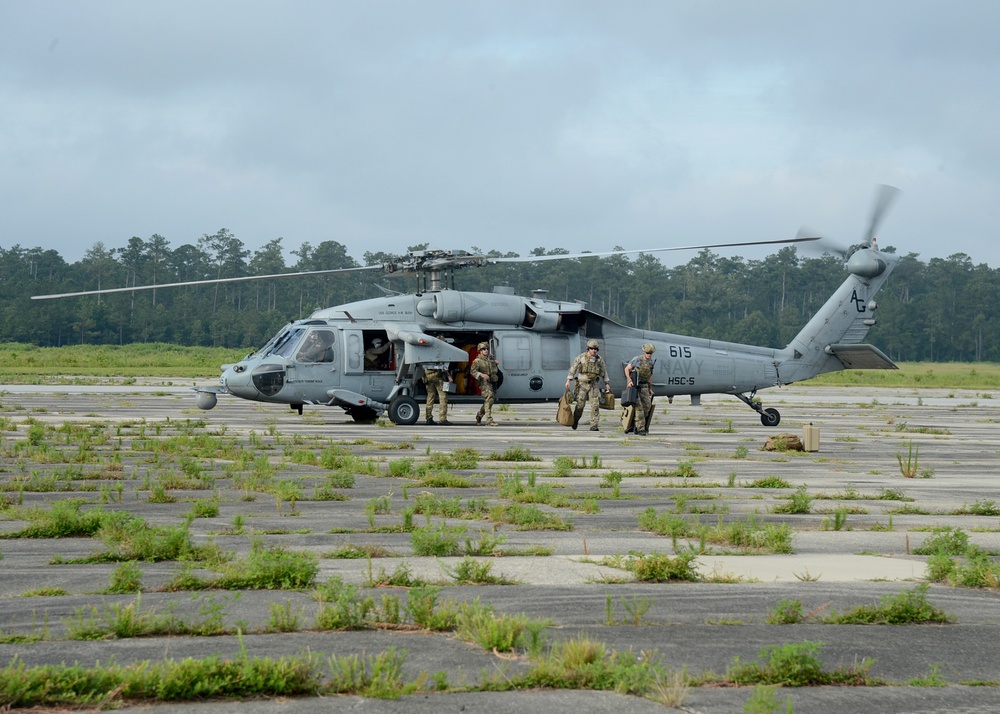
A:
{"x":604,"y":254}
{"x":207,"y":282}
{"x":883,"y":199}
{"x":434,"y":263}
{"x":825,"y":244}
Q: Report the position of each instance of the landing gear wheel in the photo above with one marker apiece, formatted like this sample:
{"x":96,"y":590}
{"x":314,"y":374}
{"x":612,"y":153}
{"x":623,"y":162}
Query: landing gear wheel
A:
{"x":403,"y":410}
{"x":363,"y":415}
{"x":770,"y":417}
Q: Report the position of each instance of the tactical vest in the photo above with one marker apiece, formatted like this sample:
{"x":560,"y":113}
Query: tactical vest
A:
{"x":591,"y":369}
{"x":486,"y":367}
{"x":645,"y":370}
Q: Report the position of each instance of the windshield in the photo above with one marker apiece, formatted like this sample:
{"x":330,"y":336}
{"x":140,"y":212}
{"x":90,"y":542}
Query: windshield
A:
{"x":284,"y":343}
{"x":265,"y":348}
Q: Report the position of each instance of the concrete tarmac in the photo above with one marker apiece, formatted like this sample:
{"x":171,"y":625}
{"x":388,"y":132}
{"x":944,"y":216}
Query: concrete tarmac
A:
{"x":857,"y":544}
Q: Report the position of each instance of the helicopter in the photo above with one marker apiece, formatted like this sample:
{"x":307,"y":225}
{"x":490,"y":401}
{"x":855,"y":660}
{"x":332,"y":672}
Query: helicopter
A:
{"x":366,"y":357}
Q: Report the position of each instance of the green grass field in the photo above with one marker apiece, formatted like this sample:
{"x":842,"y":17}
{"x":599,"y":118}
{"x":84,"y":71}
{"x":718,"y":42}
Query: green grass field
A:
{"x":27,"y":364}
{"x":926,"y":375}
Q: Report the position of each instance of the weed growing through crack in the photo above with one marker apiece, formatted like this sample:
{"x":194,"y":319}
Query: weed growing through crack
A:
{"x":973,"y":568}
{"x":285,"y":617}
{"x":906,"y":607}
{"x":470,"y":571}
{"x":933,"y":678}
{"x":513,"y":453}
{"x":636,"y":607}
{"x":613,"y":480}
{"x":786,"y":612}
{"x":662,"y":568}
{"x":269,"y":568}
{"x":945,"y":541}
{"x":480,"y":625}
{"x":764,"y":700}
{"x":796,"y":665}
{"x":428,"y":612}
{"x":125,"y":620}
{"x":979,"y":508}
{"x":839,"y":521}
{"x":126,"y":578}
{"x":799,"y":502}
{"x":438,"y":539}
{"x":909,"y":464}
{"x":401,"y":577}
{"x":769,"y":482}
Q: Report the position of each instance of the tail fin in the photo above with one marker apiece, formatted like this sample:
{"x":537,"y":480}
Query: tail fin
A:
{"x":832,"y":339}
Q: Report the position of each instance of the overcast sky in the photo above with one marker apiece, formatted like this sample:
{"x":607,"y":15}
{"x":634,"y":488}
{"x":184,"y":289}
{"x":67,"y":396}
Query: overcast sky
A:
{"x":501,"y":125}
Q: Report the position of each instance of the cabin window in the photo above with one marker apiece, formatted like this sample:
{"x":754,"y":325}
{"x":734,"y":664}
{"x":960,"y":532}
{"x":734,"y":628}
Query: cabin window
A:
{"x":354,"y":352}
{"x":516,"y":353}
{"x":555,"y":352}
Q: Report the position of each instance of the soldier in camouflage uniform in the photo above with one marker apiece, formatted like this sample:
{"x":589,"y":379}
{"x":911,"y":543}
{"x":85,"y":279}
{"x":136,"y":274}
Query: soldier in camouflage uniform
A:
{"x":639,"y":373}
{"x":588,"y":369}
{"x":484,"y":371}
{"x":435,"y":375}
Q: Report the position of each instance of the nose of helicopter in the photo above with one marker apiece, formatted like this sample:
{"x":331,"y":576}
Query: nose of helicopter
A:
{"x":237,"y":379}
{"x":254,"y":379}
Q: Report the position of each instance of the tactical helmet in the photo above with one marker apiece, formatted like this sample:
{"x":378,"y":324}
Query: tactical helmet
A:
{"x":593,"y":344}
{"x":648,"y":348}
{"x":376,"y":342}
{"x":483,"y":346}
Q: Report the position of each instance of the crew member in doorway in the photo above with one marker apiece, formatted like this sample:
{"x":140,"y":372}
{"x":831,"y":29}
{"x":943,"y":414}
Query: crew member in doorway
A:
{"x":375,"y":352}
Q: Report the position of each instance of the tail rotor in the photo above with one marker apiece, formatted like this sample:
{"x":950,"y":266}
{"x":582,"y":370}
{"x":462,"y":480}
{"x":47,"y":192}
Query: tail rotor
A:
{"x":885,"y":196}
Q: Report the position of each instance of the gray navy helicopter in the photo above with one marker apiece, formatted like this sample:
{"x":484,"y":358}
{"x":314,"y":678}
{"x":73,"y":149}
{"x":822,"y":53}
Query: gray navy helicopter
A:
{"x":366,"y":357}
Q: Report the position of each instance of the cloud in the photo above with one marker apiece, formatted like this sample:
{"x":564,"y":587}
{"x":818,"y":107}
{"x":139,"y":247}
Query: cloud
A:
{"x":514,"y":125}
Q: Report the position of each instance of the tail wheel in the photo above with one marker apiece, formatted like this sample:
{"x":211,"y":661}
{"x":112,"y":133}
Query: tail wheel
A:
{"x":770,"y":417}
{"x":403,"y":410}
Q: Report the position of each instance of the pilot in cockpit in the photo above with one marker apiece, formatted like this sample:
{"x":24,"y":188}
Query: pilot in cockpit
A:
{"x":316,"y":347}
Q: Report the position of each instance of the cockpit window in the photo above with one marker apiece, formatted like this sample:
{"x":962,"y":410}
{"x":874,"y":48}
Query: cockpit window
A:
{"x":284,"y":345}
{"x":265,"y":349}
{"x":317,"y":347}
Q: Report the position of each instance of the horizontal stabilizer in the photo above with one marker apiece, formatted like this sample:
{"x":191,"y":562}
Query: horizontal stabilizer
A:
{"x":861,"y":356}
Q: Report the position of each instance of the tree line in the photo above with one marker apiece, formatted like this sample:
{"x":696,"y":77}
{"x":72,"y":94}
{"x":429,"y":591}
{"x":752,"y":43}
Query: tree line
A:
{"x":938,"y":311}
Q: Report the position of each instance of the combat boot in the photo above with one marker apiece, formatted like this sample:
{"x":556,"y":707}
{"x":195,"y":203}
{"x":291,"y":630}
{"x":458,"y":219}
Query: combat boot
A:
{"x":595,"y":428}
{"x":429,"y":421}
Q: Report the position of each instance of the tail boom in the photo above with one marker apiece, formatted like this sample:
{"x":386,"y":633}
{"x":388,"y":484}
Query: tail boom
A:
{"x":832,"y":339}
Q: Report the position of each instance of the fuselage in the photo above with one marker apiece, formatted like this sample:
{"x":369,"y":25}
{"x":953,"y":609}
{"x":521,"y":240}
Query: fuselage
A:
{"x":373,"y":350}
